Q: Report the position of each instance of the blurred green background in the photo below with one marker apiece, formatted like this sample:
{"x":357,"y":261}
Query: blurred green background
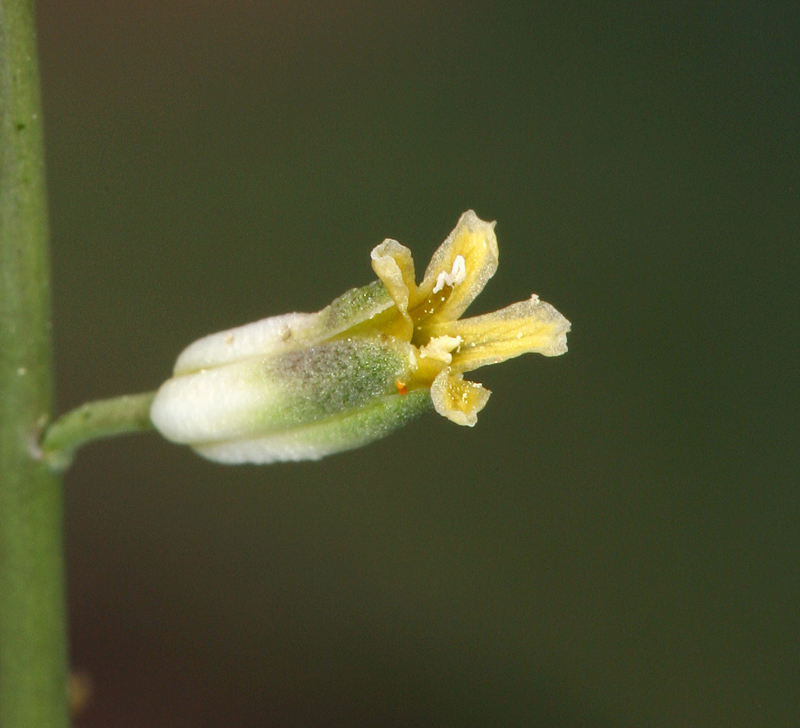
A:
{"x":617,"y":543}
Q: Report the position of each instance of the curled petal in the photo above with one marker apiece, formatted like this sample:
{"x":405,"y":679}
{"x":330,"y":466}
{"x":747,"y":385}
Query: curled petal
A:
{"x":393,"y":264}
{"x":458,"y":271}
{"x":457,"y":398}
{"x":525,"y":327}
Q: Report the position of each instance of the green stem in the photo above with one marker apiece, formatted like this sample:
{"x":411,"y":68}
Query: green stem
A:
{"x":93,"y":420}
{"x":33,"y":642}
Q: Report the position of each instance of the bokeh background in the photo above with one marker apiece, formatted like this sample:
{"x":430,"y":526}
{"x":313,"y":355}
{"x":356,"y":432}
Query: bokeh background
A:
{"x":617,"y":543}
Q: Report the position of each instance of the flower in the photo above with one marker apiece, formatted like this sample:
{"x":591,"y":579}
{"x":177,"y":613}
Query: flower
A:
{"x":302,"y":386}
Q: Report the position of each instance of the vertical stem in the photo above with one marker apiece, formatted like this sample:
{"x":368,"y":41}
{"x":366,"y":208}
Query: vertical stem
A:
{"x":33,"y":644}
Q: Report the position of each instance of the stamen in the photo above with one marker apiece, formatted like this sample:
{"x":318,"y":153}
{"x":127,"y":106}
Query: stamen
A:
{"x":439,"y":348}
{"x":457,"y":275}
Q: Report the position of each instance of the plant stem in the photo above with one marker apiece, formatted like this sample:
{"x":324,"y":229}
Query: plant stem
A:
{"x":90,"y":421}
{"x":33,"y":642}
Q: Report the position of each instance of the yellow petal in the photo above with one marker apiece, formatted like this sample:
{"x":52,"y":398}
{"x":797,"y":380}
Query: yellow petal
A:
{"x":393,"y":264}
{"x":457,"y":272}
{"x":458,"y":399}
{"x":529,"y":326}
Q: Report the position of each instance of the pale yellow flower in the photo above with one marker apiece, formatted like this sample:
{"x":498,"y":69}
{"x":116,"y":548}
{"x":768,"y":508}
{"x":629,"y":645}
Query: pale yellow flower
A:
{"x":302,"y":386}
{"x":444,"y":345}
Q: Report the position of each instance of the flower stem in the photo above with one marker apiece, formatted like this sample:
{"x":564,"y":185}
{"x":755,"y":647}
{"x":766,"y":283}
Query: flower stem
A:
{"x":33,"y":641}
{"x":93,"y":420}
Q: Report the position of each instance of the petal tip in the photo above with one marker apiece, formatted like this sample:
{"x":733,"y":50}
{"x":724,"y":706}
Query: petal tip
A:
{"x":457,"y":399}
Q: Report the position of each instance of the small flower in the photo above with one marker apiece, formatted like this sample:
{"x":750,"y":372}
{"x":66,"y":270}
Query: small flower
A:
{"x":302,"y":386}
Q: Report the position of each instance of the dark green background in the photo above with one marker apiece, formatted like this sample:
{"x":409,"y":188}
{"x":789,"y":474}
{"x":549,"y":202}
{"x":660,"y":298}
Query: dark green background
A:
{"x":617,"y":543}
